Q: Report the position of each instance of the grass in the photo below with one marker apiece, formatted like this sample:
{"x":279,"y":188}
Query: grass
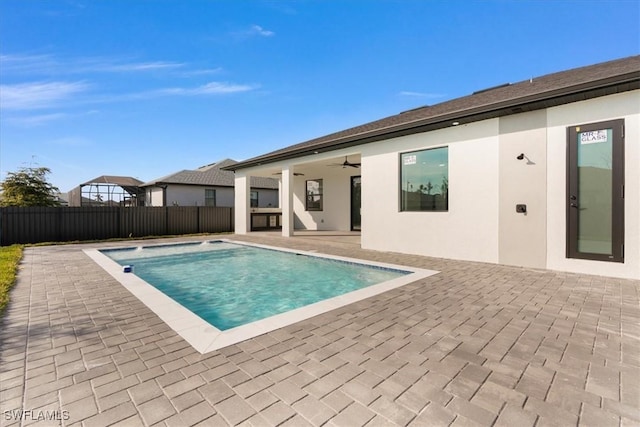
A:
{"x":9,"y":259}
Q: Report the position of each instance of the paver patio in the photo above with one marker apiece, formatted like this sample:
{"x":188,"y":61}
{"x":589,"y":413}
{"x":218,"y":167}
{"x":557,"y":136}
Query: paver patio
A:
{"x":477,"y":344}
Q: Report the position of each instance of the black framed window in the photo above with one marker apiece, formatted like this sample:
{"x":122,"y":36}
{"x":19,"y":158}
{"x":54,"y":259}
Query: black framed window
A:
{"x":254,"y":199}
{"x":424,"y":180}
{"x":209,"y":197}
{"x":314,"y":195}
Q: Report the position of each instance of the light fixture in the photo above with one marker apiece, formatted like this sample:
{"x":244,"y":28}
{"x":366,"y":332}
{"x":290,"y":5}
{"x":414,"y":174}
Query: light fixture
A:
{"x":455,"y":123}
{"x":520,"y":157}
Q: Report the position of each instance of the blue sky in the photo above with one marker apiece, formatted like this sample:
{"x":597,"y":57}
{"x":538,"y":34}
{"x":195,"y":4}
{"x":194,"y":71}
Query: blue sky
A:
{"x":148,"y":88}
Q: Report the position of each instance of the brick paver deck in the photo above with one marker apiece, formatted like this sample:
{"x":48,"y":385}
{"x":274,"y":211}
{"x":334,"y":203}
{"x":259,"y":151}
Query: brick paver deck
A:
{"x":476,"y":344}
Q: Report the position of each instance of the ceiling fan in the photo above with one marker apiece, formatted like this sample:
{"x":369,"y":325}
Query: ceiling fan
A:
{"x":346,"y":163}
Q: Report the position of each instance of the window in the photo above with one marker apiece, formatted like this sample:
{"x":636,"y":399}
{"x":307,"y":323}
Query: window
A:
{"x":424,"y":180}
{"x":314,"y":195}
{"x":254,"y":199}
{"x":209,"y":197}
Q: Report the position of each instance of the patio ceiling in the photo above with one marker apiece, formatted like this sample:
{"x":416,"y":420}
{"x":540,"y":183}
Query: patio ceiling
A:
{"x":310,"y":164}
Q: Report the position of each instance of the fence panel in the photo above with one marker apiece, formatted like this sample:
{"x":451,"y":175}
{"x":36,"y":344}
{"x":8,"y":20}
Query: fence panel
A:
{"x":143,"y":221}
{"x":182,"y":220}
{"x":37,"y":224}
{"x":215,"y":220}
{"x":28,"y":225}
{"x":87,"y":223}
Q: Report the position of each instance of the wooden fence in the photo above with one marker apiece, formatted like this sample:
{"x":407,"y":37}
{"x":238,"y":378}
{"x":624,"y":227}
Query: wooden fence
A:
{"x":63,"y":224}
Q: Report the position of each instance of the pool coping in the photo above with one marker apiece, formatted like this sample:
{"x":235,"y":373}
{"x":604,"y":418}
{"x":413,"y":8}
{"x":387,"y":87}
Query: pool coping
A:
{"x":204,"y":337}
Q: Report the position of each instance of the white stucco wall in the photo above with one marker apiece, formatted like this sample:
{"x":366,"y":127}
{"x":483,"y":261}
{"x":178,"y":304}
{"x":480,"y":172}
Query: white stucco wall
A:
{"x":522,"y":236}
{"x":336,"y":211}
{"x":267,"y":198}
{"x":193,"y":195}
{"x":469,"y":230}
{"x":621,"y":106}
{"x":153,"y":196}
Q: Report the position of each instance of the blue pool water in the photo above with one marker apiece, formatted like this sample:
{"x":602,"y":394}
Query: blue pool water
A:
{"x":229,"y":284}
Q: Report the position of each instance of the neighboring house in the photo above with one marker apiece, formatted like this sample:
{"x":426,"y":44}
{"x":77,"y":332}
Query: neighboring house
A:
{"x":544,"y":173}
{"x":208,"y":186}
{"x":62,"y":198}
{"x":107,"y":190}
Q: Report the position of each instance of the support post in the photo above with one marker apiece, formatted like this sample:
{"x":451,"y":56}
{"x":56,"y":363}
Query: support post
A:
{"x":241,"y":199}
{"x":287,"y":201}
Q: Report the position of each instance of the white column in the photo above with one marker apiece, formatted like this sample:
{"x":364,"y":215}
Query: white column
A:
{"x":287,"y":201}
{"x":241,"y":199}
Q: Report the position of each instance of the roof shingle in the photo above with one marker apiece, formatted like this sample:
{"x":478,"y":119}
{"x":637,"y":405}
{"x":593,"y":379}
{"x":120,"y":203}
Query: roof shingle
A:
{"x":212,"y":175}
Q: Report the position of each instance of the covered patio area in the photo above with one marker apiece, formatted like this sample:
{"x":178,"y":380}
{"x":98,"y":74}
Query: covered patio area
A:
{"x":321,"y":192}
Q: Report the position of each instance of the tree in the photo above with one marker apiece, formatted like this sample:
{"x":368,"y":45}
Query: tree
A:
{"x":28,"y":187}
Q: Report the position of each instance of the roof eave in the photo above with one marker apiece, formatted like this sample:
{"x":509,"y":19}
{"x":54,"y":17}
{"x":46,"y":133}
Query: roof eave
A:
{"x":584,"y":91}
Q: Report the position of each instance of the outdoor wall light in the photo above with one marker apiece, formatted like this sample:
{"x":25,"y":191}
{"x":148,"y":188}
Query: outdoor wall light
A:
{"x":520,"y":157}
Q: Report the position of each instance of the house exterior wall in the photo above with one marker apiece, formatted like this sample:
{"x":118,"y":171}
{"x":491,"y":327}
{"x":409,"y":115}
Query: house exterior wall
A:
{"x":522,"y":236}
{"x":336,"y":199}
{"x":267,"y":198}
{"x":469,"y":229}
{"x":621,"y":106}
{"x":486,"y":181}
{"x":154,"y":196}
{"x":193,"y":195}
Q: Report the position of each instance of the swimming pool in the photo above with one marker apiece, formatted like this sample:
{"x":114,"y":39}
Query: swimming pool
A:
{"x":230,"y":285}
{"x":216,"y":293}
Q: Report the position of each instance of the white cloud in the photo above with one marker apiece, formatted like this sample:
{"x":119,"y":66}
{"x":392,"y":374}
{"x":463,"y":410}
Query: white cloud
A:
{"x":212,"y":88}
{"x":93,"y":65}
{"x":421,"y":94}
{"x":221,"y":87}
{"x":36,"y":95}
{"x":202,"y":72}
{"x":259,"y":31}
{"x":50,"y":65}
{"x":36,"y":120}
{"x":253,"y":31}
{"x":33,"y":120}
{"x":27,"y":63}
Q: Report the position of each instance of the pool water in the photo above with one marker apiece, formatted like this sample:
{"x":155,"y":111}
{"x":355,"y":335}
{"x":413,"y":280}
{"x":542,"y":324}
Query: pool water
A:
{"x":230,"y":285}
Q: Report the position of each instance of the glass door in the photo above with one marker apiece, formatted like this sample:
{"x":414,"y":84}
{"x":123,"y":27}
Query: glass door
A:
{"x":595,"y":187}
{"x":355,"y":203}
